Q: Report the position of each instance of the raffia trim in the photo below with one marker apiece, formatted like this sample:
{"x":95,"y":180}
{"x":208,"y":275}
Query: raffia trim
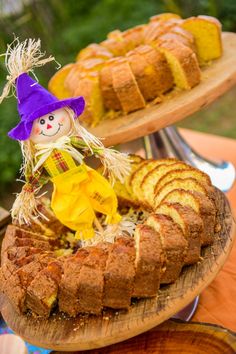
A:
{"x":22,"y":57}
{"x":25,"y":208}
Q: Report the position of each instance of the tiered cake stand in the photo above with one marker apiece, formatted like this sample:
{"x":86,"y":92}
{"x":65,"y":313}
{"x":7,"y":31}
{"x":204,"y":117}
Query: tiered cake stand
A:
{"x":87,"y":332}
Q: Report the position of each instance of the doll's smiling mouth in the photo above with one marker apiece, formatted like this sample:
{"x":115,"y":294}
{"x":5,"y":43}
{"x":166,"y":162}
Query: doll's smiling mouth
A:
{"x":59,"y":127}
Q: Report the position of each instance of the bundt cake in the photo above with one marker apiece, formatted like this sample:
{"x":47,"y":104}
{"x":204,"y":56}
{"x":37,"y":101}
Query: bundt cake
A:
{"x":43,"y":268}
{"x":129,"y":69}
{"x":207,"y":33}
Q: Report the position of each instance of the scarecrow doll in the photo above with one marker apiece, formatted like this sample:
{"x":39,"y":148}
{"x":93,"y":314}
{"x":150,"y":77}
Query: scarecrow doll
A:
{"x":54,"y":145}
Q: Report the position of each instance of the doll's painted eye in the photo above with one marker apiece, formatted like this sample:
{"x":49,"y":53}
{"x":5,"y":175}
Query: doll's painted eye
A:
{"x":50,"y":117}
{"x":42,"y":121}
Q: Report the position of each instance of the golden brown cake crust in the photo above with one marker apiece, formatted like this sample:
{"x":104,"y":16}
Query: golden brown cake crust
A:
{"x":91,"y":280}
{"x":111,"y":100}
{"x":193,"y":228}
{"x":126,"y":87}
{"x":173,"y":244}
{"x":149,"y":262}
{"x":119,"y":274}
{"x":187,"y":59}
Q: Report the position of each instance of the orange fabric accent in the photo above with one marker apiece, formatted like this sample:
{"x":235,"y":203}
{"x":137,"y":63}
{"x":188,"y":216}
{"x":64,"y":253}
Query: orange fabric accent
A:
{"x":218,"y":301}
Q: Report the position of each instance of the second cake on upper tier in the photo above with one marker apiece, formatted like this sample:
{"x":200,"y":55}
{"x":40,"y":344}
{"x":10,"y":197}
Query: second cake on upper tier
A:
{"x":133,"y":68}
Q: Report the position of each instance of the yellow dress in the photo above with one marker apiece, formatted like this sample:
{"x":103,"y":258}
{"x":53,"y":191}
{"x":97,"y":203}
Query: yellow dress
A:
{"x":78,"y":193}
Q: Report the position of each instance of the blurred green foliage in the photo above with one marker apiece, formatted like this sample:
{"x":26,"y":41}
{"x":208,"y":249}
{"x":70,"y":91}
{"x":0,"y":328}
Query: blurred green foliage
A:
{"x":67,"y":26}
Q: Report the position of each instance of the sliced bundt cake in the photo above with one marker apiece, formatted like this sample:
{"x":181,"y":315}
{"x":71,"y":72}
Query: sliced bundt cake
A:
{"x":40,"y":273}
{"x":131,"y":68}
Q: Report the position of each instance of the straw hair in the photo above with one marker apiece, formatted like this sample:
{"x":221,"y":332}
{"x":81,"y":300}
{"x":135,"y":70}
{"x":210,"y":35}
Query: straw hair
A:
{"x":22,"y":57}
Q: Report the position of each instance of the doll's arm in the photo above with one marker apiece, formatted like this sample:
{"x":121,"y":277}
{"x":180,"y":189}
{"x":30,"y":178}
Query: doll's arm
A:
{"x":25,"y":207}
{"x":115,"y":163}
{"x":36,"y":180}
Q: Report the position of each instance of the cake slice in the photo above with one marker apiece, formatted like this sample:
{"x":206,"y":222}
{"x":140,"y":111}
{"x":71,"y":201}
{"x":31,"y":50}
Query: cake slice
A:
{"x":191,"y":225}
{"x":164,"y":79}
{"x":68,"y":287}
{"x":151,"y":71}
{"x":207,"y":33}
{"x":144,"y":74}
{"x":119,"y":274}
{"x":91,"y":279}
{"x":189,"y":172}
{"x":31,"y":267}
{"x":15,"y":280}
{"x":11,"y":286}
{"x":183,"y":63}
{"x":89,"y":87}
{"x":125,"y":86}
{"x":202,"y":205}
{"x":189,"y":184}
{"x":42,"y":292}
{"x":173,"y":243}
{"x":110,"y":97}
{"x":150,"y":180}
{"x":148,"y":262}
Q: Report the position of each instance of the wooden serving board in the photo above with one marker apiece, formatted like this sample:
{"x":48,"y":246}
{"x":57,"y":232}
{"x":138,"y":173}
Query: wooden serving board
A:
{"x":175,"y":337}
{"x":88,"y":332}
{"x":216,"y":79}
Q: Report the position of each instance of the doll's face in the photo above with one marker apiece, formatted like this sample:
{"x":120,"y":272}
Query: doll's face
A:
{"x":50,"y":127}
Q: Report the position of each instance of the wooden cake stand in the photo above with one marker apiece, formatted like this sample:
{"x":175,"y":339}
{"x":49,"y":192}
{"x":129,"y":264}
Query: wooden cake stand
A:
{"x":87,"y":332}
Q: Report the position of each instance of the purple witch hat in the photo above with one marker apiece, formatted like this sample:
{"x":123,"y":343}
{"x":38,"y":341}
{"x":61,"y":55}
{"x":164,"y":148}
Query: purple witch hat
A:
{"x":35,"y":101}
